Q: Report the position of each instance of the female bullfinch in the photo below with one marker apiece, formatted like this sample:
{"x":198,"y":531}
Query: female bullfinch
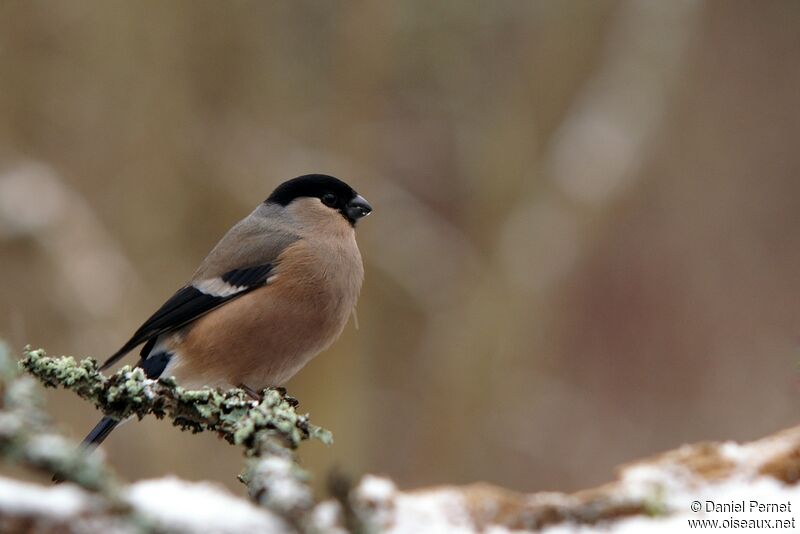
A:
{"x":276,"y":290}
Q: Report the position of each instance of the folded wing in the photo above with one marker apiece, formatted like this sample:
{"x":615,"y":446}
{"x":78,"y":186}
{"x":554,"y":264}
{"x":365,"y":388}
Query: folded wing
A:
{"x":193,"y":301}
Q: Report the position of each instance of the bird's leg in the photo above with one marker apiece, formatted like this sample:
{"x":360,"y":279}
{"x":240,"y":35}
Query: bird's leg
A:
{"x":255,"y":395}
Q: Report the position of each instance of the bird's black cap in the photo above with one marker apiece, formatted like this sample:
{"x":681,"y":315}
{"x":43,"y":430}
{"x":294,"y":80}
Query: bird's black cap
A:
{"x":333,"y":192}
{"x":311,"y":185}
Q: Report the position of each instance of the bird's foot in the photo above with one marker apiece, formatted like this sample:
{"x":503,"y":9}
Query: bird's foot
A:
{"x":253,"y":394}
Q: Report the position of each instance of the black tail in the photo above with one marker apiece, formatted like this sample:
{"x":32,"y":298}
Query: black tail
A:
{"x":100,"y":432}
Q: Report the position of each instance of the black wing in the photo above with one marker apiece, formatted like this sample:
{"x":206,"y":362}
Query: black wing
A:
{"x":192,"y":301}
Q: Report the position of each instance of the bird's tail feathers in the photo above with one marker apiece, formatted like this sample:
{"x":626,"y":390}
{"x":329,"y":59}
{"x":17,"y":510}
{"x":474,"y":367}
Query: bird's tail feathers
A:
{"x":115,"y":357}
{"x":126,"y":348}
{"x":100,"y":432}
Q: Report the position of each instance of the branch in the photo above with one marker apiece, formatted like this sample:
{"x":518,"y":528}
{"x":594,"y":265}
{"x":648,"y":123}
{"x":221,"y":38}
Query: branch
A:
{"x":27,"y":439}
{"x":268,"y":429}
{"x":258,"y":426}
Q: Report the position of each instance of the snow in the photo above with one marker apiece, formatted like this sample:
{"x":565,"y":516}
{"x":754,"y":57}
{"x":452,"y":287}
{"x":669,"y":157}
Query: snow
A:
{"x":675,"y":488}
{"x":200,"y":507}
{"x":725,"y":475}
{"x":23,"y":498}
{"x":375,"y":489}
{"x":327,"y":517}
{"x":171,"y":504}
{"x":436,"y":511}
{"x":282,"y":488}
{"x":755,"y":454}
{"x":432,"y":511}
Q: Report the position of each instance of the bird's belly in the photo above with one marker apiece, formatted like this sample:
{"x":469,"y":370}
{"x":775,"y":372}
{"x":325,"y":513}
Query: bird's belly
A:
{"x":268,"y":336}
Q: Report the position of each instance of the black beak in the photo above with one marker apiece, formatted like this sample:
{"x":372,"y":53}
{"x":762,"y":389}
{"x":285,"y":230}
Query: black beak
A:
{"x":358,"y":208}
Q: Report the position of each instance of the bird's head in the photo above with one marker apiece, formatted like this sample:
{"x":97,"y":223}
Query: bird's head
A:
{"x":333,"y":193}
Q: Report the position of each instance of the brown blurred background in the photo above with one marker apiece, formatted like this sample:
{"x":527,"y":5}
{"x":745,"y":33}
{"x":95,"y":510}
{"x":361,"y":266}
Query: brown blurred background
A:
{"x":585,"y":247}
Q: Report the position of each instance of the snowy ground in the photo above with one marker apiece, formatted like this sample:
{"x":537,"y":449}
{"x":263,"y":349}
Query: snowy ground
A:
{"x":742,"y":487}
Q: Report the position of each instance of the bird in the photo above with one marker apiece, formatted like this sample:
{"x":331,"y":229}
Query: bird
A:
{"x":275,"y":291}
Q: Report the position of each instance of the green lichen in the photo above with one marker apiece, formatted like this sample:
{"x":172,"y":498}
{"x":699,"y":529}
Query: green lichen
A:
{"x":232,"y":414}
{"x":26,"y":436}
{"x":268,"y":429}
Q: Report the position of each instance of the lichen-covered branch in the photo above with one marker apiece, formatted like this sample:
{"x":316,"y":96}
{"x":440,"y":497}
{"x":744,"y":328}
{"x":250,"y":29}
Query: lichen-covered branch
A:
{"x":258,"y":426}
{"x":27,"y":439}
{"x":268,"y":429}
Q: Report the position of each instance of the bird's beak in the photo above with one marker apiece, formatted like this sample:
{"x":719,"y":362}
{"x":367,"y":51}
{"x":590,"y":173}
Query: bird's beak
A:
{"x":358,"y":208}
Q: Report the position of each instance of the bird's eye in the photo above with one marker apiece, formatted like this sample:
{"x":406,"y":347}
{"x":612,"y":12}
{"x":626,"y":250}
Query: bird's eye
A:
{"x":329,"y":199}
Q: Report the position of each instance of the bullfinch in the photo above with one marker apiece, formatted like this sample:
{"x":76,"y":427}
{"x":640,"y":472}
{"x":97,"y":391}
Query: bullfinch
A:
{"x":275,"y":291}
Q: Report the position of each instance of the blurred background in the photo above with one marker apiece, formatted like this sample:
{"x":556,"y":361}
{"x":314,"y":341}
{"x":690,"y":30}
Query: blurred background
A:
{"x":586,"y":240}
